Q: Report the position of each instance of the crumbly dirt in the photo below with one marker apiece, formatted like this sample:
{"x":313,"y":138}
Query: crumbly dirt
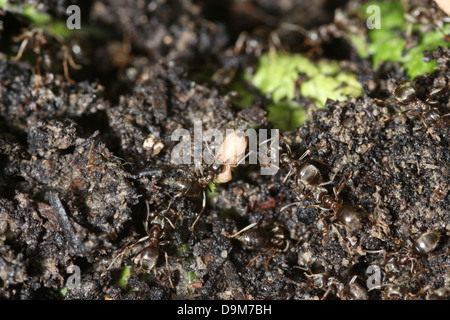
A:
{"x":86,"y":168}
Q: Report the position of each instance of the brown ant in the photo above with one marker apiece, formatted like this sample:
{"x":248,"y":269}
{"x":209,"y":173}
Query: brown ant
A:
{"x":406,"y":96}
{"x":273,"y":238}
{"x":187,"y":186}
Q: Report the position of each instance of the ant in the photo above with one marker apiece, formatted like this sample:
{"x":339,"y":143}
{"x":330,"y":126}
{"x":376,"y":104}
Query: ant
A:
{"x":310,"y":177}
{"x":406,"y":96}
{"x":348,"y":215}
{"x":342,"y":287}
{"x":194,"y":187}
{"x":230,"y":154}
{"x":145,"y":251}
{"x":408,"y":258}
{"x":420,"y":248}
{"x":191,"y":186}
{"x":274,"y":238}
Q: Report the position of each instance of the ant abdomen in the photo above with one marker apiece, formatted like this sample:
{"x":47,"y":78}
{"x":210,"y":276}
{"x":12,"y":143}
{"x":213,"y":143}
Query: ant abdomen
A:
{"x":426,"y":243}
{"x":405,"y":93}
{"x":255,"y":238}
{"x":147,"y":258}
{"x":349,"y":216}
{"x":189,"y":188}
{"x":309,"y":175}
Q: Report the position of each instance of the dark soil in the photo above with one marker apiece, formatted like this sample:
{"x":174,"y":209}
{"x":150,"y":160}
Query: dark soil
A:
{"x":74,"y":148}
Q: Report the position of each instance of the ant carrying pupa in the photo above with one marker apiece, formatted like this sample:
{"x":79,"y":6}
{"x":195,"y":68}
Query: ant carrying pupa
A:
{"x":145,"y":250}
{"x":230,"y":154}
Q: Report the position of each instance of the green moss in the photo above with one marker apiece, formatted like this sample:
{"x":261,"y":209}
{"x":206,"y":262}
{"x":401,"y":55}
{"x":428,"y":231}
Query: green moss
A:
{"x":388,"y":42}
{"x":277,"y":76}
{"x":40,"y":19}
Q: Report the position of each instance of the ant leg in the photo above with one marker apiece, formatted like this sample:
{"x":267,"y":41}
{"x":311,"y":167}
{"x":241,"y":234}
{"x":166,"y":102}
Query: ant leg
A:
{"x":287,"y":145}
{"x":290,"y":173}
{"x":275,"y":44}
{"x":336,"y":171}
{"x":201,"y":211}
{"x":428,"y":128}
{"x":22,"y":47}
{"x":324,"y":242}
{"x":428,"y":100}
{"x":396,"y":115}
{"x":301,"y":206}
{"x":323,"y":163}
{"x":270,"y":258}
{"x":250,"y":226}
{"x":307,"y":152}
{"x":125,"y":250}
{"x":239,"y":45}
{"x":168,"y":270}
{"x":342,"y":240}
{"x":259,"y":255}
{"x":341,"y":186}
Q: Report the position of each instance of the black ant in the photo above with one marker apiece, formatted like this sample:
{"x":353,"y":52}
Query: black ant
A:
{"x":231,"y":153}
{"x":146,"y":251}
{"x":348,"y":215}
{"x":188,"y":185}
{"x":309,"y":176}
{"x":408,"y":258}
{"x":406,"y":96}
{"x":273,"y":238}
{"x":194,"y":187}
